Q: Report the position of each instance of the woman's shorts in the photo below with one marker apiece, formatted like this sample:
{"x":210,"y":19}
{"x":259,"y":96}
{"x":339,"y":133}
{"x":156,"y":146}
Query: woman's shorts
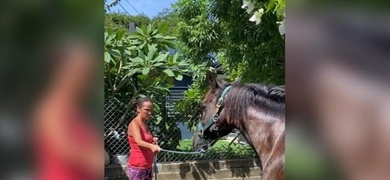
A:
{"x":135,"y":173}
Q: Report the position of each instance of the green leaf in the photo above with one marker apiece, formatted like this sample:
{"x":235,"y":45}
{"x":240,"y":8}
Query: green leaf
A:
{"x":135,"y":42}
{"x":179,"y":77}
{"x":183,"y":63}
{"x":169,"y":44}
{"x":169,"y":38}
{"x":105,"y":36}
{"x":129,"y":51}
{"x":170,"y":81}
{"x":131,"y":48}
{"x":144,"y":29}
{"x":152,"y":50}
{"x":158,"y":120}
{"x":158,"y":64}
{"x":142,"y":45}
{"x":132,"y":72}
{"x":127,"y":66}
{"x":145,"y":70}
{"x":107,"y":57}
{"x":135,"y":36}
{"x":149,"y":29}
{"x":163,"y":27}
{"x":169,"y":72}
{"x":270,"y":6}
{"x":137,"y":60}
{"x":161,"y":57}
{"x":141,"y":53}
{"x":115,"y":52}
{"x":158,"y":36}
{"x":110,"y":31}
{"x":154,"y":32}
{"x":109,"y":39}
{"x":170,"y":60}
{"x":120,"y":34}
{"x":174,"y":59}
{"x":139,"y":30}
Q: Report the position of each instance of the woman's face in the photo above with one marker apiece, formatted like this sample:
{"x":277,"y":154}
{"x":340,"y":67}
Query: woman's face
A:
{"x":146,"y":110}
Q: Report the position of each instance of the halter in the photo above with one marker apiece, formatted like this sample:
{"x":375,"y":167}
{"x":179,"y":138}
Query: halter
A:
{"x":213,"y":120}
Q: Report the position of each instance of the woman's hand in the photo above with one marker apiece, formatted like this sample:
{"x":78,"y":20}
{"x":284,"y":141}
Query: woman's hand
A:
{"x":155,"y":149}
{"x":155,"y":140}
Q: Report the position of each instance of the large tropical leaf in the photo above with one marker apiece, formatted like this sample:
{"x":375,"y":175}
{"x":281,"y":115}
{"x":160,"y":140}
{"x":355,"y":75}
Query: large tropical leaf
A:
{"x":169,"y":72}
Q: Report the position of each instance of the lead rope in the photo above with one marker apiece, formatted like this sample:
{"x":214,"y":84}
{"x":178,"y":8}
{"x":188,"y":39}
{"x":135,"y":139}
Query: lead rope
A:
{"x":201,"y":152}
{"x":155,"y":167}
{"x":183,"y":152}
{"x":234,"y":139}
{"x":155,"y":164}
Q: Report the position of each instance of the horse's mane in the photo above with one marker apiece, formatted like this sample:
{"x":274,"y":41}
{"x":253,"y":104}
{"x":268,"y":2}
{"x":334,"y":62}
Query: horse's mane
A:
{"x":241,"y":97}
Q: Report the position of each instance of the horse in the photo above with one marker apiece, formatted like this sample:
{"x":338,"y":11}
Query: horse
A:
{"x":256,"y":110}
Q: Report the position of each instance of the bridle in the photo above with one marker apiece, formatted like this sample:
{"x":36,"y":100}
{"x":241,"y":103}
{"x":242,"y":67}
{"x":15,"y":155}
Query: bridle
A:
{"x":213,"y":120}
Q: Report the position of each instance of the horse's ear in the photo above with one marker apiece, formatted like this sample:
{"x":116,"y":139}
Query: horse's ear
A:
{"x":212,"y":79}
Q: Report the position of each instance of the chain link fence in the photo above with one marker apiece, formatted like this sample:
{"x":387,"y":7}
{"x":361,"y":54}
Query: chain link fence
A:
{"x":171,"y":129}
{"x":115,"y":127}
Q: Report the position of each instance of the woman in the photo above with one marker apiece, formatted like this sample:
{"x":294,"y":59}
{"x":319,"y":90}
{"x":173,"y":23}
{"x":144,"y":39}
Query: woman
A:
{"x":67,"y":144}
{"x":143,"y":145}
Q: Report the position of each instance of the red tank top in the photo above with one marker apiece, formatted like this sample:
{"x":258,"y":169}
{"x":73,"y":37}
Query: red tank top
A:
{"x":140,"y":157}
{"x":53,"y":165}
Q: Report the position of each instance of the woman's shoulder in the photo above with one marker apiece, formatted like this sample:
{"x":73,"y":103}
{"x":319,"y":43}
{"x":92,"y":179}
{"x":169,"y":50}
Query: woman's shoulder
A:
{"x":133,"y":122}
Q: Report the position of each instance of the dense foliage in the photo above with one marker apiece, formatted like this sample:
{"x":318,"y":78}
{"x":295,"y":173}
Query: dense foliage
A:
{"x":140,"y":63}
{"x":224,"y":31}
{"x":242,"y":39}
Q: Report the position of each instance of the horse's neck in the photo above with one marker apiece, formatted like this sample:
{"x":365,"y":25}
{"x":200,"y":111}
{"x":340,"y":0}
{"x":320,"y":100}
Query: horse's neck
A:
{"x":263,"y":135}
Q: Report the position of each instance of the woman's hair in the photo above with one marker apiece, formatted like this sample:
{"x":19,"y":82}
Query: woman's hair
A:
{"x":140,"y":101}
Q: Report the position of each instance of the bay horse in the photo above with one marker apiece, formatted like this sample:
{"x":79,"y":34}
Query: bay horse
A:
{"x":258,"y":111}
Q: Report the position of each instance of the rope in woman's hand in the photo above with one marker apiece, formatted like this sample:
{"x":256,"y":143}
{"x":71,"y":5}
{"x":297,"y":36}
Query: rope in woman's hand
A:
{"x":201,"y":152}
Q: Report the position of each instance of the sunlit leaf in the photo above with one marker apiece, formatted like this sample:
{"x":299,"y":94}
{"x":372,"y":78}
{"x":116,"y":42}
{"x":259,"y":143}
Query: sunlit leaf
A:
{"x":145,"y":70}
{"x":169,"y":38}
{"x":107,"y":57}
{"x":158,"y":64}
{"x":139,"y":30}
{"x":137,"y":60}
{"x":152,"y":50}
{"x":157,"y":36}
{"x":179,"y":77}
{"x":161,"y":57}
{"x":169,"y":72}
{"x":132,"y":72}
{"x":149,"y":29}
{"x":154,"y":32}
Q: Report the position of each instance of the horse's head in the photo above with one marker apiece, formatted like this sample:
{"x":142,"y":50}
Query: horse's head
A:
{"x":213,"y":124}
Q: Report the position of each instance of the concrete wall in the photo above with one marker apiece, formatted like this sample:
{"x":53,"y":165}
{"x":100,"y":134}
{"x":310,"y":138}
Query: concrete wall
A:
{"x":199,"y":170}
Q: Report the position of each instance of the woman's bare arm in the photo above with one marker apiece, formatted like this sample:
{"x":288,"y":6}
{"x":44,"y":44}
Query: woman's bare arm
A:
{"x":134,"y":130}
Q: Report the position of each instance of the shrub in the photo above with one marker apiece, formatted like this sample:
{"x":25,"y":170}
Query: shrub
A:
{"x":220,"y":150}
